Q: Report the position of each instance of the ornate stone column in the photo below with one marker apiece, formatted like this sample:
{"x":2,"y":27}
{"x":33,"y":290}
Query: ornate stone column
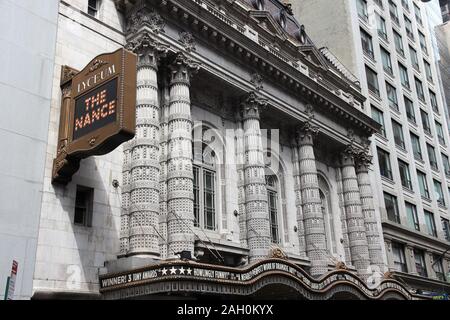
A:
{"x":124,"y":214}
{"x":256,"y":208}
{"x":363,"y":162}
{"x":144,"y":149}
{"x":163,"y":146}
{"x":347,"y":257}
{"x":241,"y":180}
{"x":180,"y":194}
{"x":313,"y":220}
{"x":298,"y":198}
{"x":353,"y":213}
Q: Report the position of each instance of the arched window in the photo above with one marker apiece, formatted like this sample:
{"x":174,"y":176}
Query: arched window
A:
{"x":328,"y":218}
{"x":204,"y":172}
{"x":272,"y":201}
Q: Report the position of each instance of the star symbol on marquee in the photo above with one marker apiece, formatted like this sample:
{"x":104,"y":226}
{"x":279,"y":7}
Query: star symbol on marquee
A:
{"x":173,"y":271}
{"x":189,"y":271}
{"x":164,"y":272}
{"x":182,"y":270}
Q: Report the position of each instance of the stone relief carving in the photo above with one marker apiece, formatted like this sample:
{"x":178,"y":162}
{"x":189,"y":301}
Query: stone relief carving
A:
{"x":188,"y":41}
{"x":144,"y":42}
{"x":145,"y":17}
{"x":257,"y":79}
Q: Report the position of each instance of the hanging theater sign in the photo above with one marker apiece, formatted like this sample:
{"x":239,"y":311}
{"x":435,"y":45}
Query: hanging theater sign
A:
{"x":97,"y":110}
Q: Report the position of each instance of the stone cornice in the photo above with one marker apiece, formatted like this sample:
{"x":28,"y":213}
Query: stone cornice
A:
{"x":287,"y":74}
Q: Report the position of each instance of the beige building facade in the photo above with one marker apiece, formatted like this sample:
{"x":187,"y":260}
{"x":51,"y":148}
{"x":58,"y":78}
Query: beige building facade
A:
{"x":390,"y":51}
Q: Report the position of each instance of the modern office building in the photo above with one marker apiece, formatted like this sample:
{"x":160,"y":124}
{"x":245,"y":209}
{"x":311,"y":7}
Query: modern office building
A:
{"x":445,"y":10}
{"x":387,"y":44}
{"x":442,"y":31}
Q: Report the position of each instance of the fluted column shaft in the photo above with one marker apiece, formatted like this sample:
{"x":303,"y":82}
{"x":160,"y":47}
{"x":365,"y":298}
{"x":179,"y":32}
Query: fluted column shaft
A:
{"x":313,"y":219}
{"x":163,"y":145}
{"x":124,"y":214}
{"x":241,"y":182}
{"x":345,"y":242}
{"x":256,"y":208}
{"x":180,"y":194}
{"x":368,"y":211}
{"x":353,"y":212}
{"x":144,"y":185}
{"x":298,"y":199}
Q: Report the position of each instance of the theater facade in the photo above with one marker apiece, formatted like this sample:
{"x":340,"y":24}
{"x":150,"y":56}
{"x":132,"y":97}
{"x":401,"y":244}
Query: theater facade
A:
{"x":249,"y":175}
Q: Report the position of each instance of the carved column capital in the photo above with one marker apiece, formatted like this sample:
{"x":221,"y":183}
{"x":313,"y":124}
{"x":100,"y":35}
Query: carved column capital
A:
{"x":251,"y":106}
{"x":363,"y":161}
{"x":349,"y":154}
{"x":183,"y":68}
{"x":306,"y":133}
{"x":147,"y":48}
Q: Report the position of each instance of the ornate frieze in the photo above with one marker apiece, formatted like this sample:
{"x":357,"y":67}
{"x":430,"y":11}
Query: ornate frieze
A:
{"x":145,"y":17}
{"x":188,"y":41}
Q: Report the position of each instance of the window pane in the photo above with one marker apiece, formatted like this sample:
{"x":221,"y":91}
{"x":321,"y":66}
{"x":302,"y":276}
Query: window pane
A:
{"x":439,"y":193}
{"x":409,"y":106}
{"x":432,"y":156}
{"x":423,"y":185}
{"x":398,"y":252}
{"x":425,"y":121}
{"x":417,"y":150}
{"x":429,"y":221}
{"x":366,"y":41}
{"x":398,"y":134}
{"x":273,"y":210}
{"x":420,"y":263}
{"x":413,"y":220}
{"x":372,"y":81}
{"x":392,"y":96}
{"x":446,"y":228}
{"x":196,"y":197}
{"x":404,"y":174}
{"x":377,"y":115}
{"x":404,"y":76}
{"x":386,"y":59}
{"x":209,"y":200}
{"x":391,"y":207}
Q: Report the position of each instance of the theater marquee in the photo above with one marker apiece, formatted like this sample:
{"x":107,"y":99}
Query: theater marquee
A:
{"x":97,"y":111}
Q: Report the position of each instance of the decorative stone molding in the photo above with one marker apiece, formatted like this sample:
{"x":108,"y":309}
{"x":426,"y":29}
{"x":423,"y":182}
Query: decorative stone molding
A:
{"x":188,"y":41}
{"x":145,"y":17}
{"x":257,"y":81}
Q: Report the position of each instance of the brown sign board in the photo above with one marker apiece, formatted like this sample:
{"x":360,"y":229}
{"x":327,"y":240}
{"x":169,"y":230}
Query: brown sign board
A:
{"x":97,"y":110}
